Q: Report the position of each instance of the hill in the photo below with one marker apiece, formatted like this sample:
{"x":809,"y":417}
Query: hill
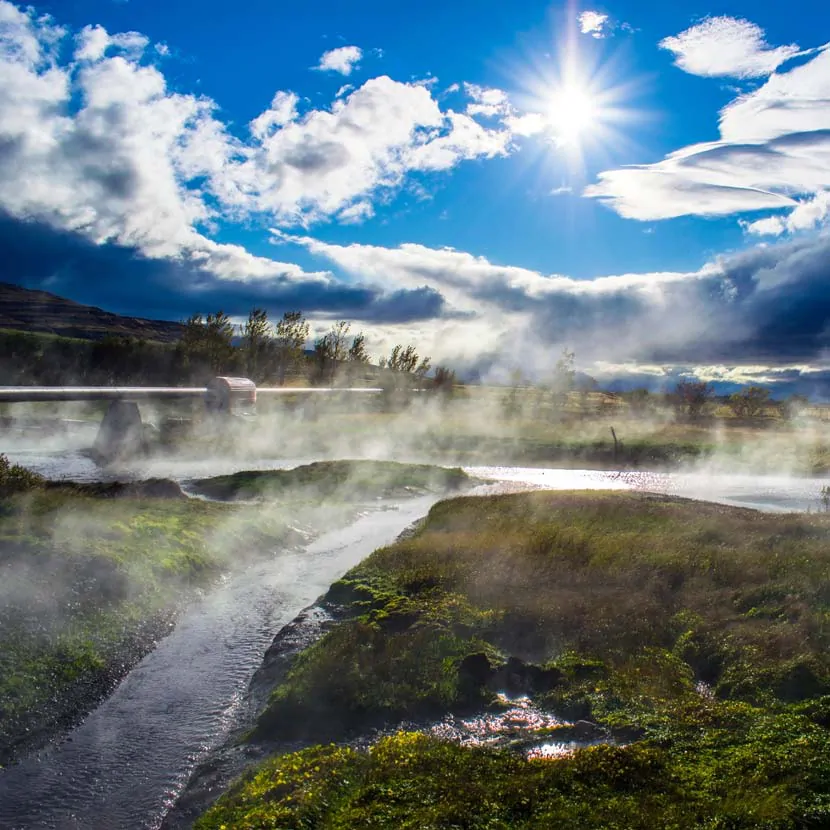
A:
{"x":22,"y":309}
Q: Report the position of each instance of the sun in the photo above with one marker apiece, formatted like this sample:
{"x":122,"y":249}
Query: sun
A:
{"x":573,"y":112}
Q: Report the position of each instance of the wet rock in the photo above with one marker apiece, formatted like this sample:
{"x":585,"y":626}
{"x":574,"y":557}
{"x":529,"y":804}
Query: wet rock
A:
{"x":800,"y":683}
{"x":475,"y":670}
{"x":518,"y":677}
{"x":627,"y":734}
{"x":583,"y":731}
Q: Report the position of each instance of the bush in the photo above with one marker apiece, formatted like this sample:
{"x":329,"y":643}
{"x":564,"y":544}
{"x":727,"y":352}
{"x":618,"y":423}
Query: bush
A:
{"x":17,"y":479}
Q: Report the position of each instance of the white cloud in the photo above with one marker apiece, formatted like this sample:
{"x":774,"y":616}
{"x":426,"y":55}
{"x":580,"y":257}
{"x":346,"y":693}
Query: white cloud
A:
{"x":739,"y":309}
{"x":343,"y":60}
{"x":774,"y":152}
{"x":486,"y":101}
{"x":100,"y":145}
{"x":117,"y":166}
{"x":592,"y":23}
{"x":726,"y":47}
{"x":528,"y":124}
{"x":564,"y":190}
{"x":364,"y":146}
{"x":807,"y":215}
{"x":283,"y":110}
{"x":94,"y":41}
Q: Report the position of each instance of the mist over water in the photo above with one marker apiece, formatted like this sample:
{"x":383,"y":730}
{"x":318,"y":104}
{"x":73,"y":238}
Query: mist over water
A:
{"x":125,"y":765}
{"x":770,"y":492}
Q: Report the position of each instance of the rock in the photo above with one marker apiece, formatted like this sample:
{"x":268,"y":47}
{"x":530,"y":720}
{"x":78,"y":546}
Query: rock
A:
{"x":475,"y":670}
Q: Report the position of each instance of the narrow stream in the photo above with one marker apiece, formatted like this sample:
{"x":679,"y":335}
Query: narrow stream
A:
{"x":126,"y":764}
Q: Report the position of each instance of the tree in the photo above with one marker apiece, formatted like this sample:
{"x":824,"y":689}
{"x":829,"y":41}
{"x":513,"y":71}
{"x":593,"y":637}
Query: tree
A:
{"x":443,"y":382}
{"x":750,"y":402}
{"x":565,"y":371}
{"x":291,"y":334}
{"x":357,"y":351}
{"x":219,"y":342}
{"x":690,"y":397}
{"x":407,"y":361}
{"x":330,"y":351}
{"x":405,"y":371}
{"x":564,"y":375}
{"x":256,"y":344}
{"x":207,"y":344}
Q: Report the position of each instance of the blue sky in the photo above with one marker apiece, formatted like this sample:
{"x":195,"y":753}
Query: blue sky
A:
{"x":646,"y":184}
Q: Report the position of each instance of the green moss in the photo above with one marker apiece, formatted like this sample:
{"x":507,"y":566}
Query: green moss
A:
{"x":626,"y":604}
{"x":773,"y":774}
{"x":343,"y":480}
{"x":634,"y":599}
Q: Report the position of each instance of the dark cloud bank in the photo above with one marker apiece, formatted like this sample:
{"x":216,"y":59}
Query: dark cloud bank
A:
{"x":122,"y":280}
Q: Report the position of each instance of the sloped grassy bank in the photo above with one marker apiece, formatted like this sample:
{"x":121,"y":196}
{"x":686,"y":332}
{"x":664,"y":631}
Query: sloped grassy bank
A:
{"x":698,"y":632}
{"x":91,"y":576}
{"x":339,"y":480}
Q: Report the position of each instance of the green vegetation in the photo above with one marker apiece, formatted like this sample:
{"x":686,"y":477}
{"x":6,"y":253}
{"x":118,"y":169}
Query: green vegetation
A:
{"x":339,"y":480}
{"x":90,"y":577}
{"x":698,"y":632}
{"x":773,"y":774}
{"x":17,"y":479}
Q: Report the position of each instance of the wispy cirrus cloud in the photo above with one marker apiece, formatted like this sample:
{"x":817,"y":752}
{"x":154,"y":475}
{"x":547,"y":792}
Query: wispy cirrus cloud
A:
{"x":773,"y":152}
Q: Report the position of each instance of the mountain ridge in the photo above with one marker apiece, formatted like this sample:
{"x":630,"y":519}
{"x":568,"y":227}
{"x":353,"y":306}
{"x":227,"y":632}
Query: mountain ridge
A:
{"x":38,"y":311}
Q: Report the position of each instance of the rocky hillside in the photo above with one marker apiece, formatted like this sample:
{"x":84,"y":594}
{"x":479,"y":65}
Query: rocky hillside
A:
{"x":22,"y":309}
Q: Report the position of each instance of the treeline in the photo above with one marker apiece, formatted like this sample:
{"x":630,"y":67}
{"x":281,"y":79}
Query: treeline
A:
{"x":694,"y":400}
{"x":265,"y":351}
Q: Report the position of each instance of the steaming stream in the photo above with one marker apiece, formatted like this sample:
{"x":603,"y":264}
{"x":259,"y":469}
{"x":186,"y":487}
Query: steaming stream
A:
{"x":126,"y":764}
{"x":772,"y":493}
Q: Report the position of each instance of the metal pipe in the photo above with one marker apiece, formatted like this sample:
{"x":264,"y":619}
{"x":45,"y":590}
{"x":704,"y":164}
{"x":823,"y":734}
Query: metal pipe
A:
{"x":34,"y":394}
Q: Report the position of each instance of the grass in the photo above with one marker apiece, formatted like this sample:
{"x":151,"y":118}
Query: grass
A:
{"x":476,"y":428}
{"x":341,"y":480}
{"x":88,"y":583}
{"x":701,"y":630}
{"x":774,"y":775}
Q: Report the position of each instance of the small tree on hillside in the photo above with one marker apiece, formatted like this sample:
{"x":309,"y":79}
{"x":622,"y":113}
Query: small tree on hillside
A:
{"x":750,"y":402}
{"x":690,"y":398}
{"x":407,"y":361}
{"x":357,"y":357}
{"x":357,"y":351}
{"x":290,"y":336}
{"x":405,"y":371}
